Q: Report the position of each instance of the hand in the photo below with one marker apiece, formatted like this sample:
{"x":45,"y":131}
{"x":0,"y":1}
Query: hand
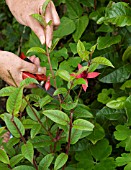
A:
{"x":10,"y":62}
{"x":22,"y":10}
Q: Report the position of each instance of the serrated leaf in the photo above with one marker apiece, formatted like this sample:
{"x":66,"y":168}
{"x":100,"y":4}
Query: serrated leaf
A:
{"x":36,"y":49}
{"x":11,"y":126}
{"x":57,"y":116}
{"x":60,"y":161}
{"x":7,"y":91}
{"x":28,"y":151}
{"x":4,"y":157}
{"x":15,"y":160}
{"x":82,"y":124}
{"x":103,"y":61}
{"x":46,"y":162}
{"x":104,"y":42}
{"x":64,"y":75}
{"x":35,"y":130}
{"x":14,"y":101}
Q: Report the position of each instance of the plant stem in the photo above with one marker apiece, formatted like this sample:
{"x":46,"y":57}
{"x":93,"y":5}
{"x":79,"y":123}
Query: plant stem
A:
{"x":39,"y":119}
{"x":51,"y":69}
{"x":69,"y":137}
{"x":95,"y":2}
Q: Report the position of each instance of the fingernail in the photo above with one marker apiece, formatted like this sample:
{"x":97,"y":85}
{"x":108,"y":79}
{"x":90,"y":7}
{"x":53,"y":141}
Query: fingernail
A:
{"x":42,"y":40}
{"x":39,"y":69}
{"x":49,"y":44}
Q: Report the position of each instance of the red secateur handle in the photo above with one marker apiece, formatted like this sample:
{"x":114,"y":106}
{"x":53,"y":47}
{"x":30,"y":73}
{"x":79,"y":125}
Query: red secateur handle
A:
{"x":38,"y":77}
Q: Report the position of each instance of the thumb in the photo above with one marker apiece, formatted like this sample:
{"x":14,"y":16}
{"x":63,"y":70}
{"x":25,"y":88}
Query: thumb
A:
{"x":29,"y":67}
{"x":36,"y":28}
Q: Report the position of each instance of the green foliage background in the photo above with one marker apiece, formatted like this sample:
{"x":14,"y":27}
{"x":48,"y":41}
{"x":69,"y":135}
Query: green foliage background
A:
{"x":106,"y":103}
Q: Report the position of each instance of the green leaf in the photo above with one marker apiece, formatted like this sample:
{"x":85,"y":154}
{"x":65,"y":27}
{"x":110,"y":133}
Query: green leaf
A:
{"x":93,"y":67}
{"x":124,"y":159}
{"x":98,"y":152}
{"x":117,"y":104}
{"x":128,"y":109}
{"x":45,"y":5}
{"x":12,"y":126}
{"x":28,"y":123}
{"x":64,"y":75}
{"x":33,"y":113}
{"x":46,"y":162}
{"x":60,"y":91}
{"x":15,"y":160}
{"x":60,"y":161}
{"x":78,"y":82}
{"x":127,"y":84}
{"x":106,"y":95}
{"x":117,"y":76}
{"x":61,"y":53}
{"x":104,"y":42}
{"x":122,"y":132}
{"x":47,"y":99}
{"x":28,"y":81}
{"x":110,"y":114}
{"x":118,"y":14}
{"x":102,"y":60}
{"x":107,"y":164}
{"x":82,"y":124}
{"x":40,"y":19}
{"x":97,"y":134}
{"x":57,"y":116}
{"x":128,"y":166}
{"x":127,"y":54}
{"x":82,"y":52}
{"x":41,"y":141}
{"x":75,"y":135}
{"x":24,"y":167}
{"x":7,"y":91}
{"x":63,"y":29}
{"x":81,"y":24}
{"x":82,"y":111}
{"x":14,"y":101}
{"x":28,"y":151}
{"x":74,"y":9}
{"x":37,"y":50}
{"x":35,"y":130}
{"x":4,"y":157}
{"x":69,"y":105}
{"x":74,"y":61}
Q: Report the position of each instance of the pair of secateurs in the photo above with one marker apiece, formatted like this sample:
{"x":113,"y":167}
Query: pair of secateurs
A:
{"x":41,"y":78}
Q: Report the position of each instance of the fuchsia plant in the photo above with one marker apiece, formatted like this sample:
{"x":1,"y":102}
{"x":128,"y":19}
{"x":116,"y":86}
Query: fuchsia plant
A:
{"x":85,"y":75}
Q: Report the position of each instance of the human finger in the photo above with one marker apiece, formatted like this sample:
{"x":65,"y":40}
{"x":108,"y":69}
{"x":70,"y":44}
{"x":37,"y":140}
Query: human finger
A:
{"x":55,"y":16}
{"x":49,"y":28}
{"x":36,"y":28}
